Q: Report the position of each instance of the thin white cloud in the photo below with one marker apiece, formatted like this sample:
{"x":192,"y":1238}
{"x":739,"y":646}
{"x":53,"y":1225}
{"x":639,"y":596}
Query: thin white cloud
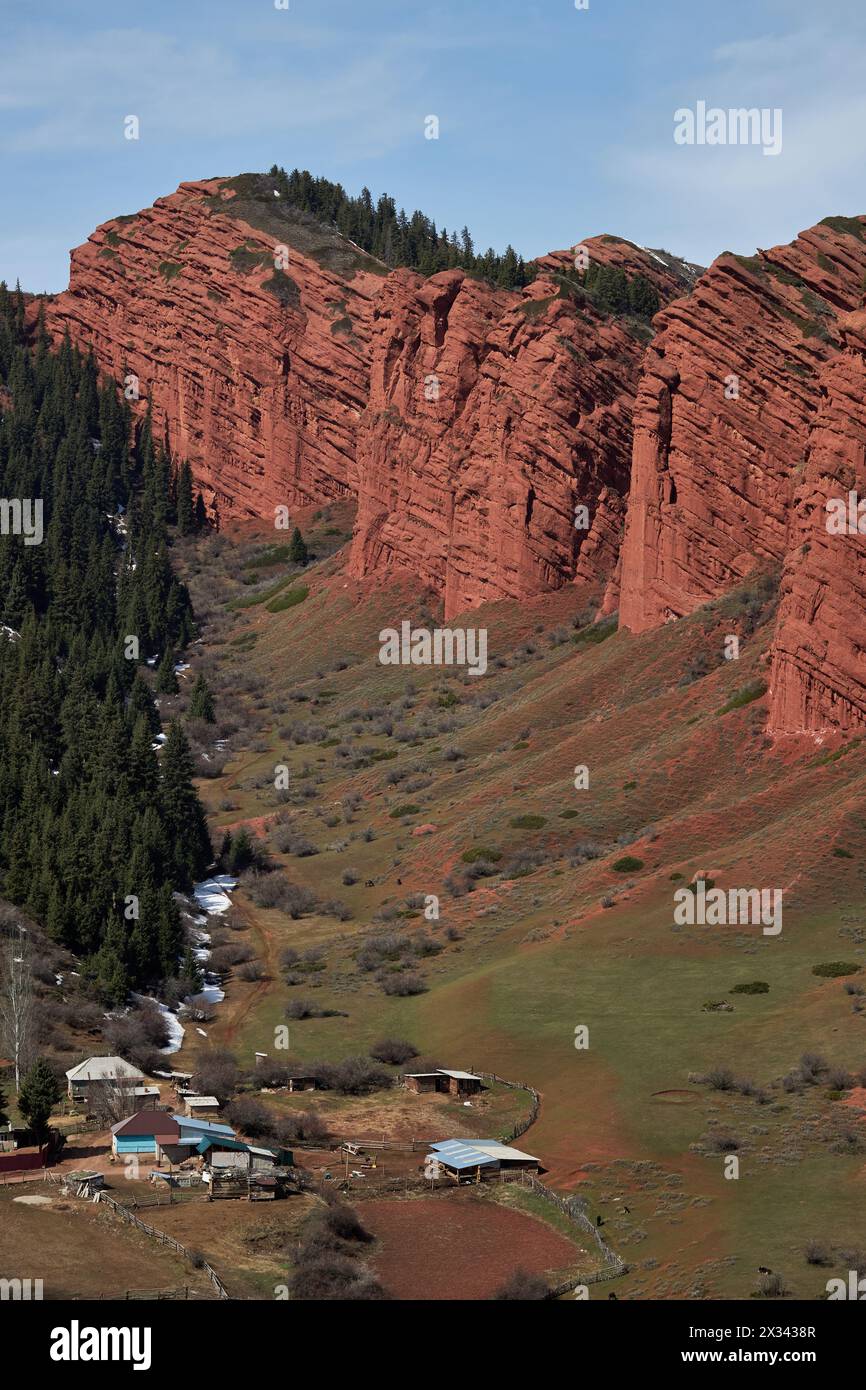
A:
{"x":58,"y":94}
{"x":730,"y":195}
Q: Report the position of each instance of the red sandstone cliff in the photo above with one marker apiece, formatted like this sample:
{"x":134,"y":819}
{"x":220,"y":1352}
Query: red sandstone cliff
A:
{"x":729,"y":388}
{"x":470,"y":422}
{"x":494,"y":415}
{"x":818,"y":680}
{"x":259,"y":376}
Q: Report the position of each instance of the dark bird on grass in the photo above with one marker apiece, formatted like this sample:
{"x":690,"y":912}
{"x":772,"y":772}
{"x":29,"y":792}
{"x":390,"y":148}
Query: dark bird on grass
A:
{"x":599,"y":1221}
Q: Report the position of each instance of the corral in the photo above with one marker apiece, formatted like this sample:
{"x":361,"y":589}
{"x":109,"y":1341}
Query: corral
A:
{"x":460,"y":1245}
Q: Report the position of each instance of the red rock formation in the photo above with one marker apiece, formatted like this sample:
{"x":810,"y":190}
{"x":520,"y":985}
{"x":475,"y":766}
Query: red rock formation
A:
{"x":493,"y":416}
{"x":729,"y":387}
{"x":818,"y":680}
{"x":259,"y":377}
{"x":470,"y":422}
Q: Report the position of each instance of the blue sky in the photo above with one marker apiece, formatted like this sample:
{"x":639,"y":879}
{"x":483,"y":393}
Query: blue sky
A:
{"x":555,"y":123}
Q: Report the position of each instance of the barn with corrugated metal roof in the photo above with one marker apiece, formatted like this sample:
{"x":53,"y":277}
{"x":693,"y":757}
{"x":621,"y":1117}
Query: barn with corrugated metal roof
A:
{"x":474,"y":1160}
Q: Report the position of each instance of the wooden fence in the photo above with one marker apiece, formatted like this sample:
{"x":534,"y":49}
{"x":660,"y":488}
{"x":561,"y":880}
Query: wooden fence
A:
{"x":614,"y":1265}
{"x":529,"y":1119}
{"x":165,"y":1240}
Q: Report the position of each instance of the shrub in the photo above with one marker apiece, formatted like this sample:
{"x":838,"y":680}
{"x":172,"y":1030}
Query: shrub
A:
{"x":345,"y":1223}
{"x":627,"y":864}
{"x":377,"y":950}
{"x":305,"y":1008}
{"x":330,"y":1277}
{"x":250,"y":1116}
{"x":403,"y":984}
{"x":217,"y":1074}
{"x":723,"y":1143}
{"x":354,"y":1076}
{"x":527,"y":822}
{"x":839,"y":1079}
{"x":300,"y":1125}
{"x":720,"y":1079}
{"x":521,"y":1286}
{"x":832,"y":969}
{"x":395,"y":1051}
{"x":771,"y":1286}
{"x":811,"y":1065}
{"x":751,"y":987}
{"x":471,"y":856}
{"x":410,"y":809}
{"x":224,"y":957}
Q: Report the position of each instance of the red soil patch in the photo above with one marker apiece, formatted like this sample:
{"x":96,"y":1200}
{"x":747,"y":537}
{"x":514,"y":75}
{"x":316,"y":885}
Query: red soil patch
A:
{"x":856,"y":1098}
{"x":434,"y":1248}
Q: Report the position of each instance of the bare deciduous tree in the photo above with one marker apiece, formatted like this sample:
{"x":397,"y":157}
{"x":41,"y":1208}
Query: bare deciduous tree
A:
{"x":16,"y":1000}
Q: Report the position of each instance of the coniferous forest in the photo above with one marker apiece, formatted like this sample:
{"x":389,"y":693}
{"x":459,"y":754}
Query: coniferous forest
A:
{"x":99,"y":826}
{"x":394,"y":237}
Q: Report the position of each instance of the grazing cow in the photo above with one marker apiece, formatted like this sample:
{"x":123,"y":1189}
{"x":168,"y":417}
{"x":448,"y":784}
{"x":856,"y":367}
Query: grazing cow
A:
{"x":762,"y":1269}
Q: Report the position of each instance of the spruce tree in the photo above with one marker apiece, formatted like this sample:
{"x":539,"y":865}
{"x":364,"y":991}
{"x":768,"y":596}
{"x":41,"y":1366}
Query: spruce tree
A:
{"x":40,"y":1092}
{"x":643,"y":297}
{"x":201,"y":704}
{"x":166,"y":680}
{"x":298,"y":554}
{"x":185,"y":514}
{"x":240,"y":854}
{"x":182,"y":814}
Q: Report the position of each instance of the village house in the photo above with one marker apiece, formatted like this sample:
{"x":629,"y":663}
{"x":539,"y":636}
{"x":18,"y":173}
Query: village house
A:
{"x":454,"y":1083}
{"x":196,"y":1106}
{"x":146,"y":1133}
{"x":86,"y":1079}
{"x":163,"y":1137}
{"x":474,"y":1160}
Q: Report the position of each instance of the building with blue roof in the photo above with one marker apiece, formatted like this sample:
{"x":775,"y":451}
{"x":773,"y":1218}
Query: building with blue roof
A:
{"x":473,"y":1160}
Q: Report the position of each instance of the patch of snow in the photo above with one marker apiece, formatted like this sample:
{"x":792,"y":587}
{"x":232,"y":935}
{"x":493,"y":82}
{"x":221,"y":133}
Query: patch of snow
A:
{"x":10,"y":633}
{"x":212,"y":893}
{"x":201,"y":1030}
{"x":174,"y":1027}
